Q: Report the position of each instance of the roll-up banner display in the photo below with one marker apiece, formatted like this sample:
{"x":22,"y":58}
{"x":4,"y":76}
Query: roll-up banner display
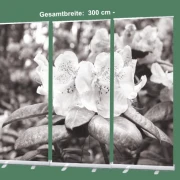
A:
{"x":87,"y":93}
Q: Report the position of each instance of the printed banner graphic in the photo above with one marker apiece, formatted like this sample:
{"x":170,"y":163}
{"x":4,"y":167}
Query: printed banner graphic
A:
{"x":81,"y":96}
{"x":24,"y":76}
{"x":143,"y":91}
{"x":66,"y":84}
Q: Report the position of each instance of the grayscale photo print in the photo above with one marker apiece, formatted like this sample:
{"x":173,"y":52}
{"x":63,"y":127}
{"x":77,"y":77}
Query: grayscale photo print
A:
{"x":81,"y":96}
{"x":23,"y":81}
{"x":143,"y":91}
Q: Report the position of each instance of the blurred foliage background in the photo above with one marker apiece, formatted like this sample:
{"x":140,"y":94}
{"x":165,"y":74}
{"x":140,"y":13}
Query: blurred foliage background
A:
{"x":19,"y":43}
{"x":164,"y":27}
{"x":76,"y":36}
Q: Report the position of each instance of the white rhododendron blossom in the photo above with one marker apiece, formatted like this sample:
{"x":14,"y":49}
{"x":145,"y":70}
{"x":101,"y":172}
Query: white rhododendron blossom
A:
{"x":42,"y":72}
{"x":87,"y":85}
{"x":93,"y":83}
{"x":165,"y":78}
{"x":147,"y":40}
{"x":65,"y":92}
{"x":127,"y":36}
{"x":125,"y":89}
{"x":65,"y":95}
{"x":101,"y":41}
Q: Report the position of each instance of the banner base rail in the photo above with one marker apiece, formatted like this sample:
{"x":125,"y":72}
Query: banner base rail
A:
{"x":93,"y":166}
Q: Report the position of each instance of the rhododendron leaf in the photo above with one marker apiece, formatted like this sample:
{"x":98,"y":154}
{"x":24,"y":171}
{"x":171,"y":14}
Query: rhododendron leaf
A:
{"x":8,"y":139}
{"x":160,"y":112}
{"x":43,"y":121}
{"x":56,"y":119}
{"x":77,"y":151}
{"x":28,"y":156}
{"x":3,"y":118}
{"x":153,"y":156}
{"x":163,"y":136}
{"x":72,"y":158}
{"x":77,"y":117}
{"x":26,"y":112}
{"x":167,"y":66}
{"x":39,"y":135}
{"x":126,"y":134}
{"x":10,"y":132}
{"x":150,"y":162}
{"x":166,"y":94}
{"x":142,"y":121}
{"x":31,"y":154}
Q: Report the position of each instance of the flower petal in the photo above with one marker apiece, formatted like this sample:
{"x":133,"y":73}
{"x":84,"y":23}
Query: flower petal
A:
{"x":42,"y":73}
{"x":67,"y":63}
{"x":157,"y":73}
{"x":100,"y":42}
{"x":41,"y":60}
{"x":85,"y":76}
{"x":170,"y":76}
{"x":159,"y":76}
{"x":118,"y":62}
{"x":126,"y":81}
{"x":120,"y":102}
{"x":65,"y":97}
{"x":42,"y":90}
{"x":103,"y":103}
{"x":117,"y":42}
{"x":127,"y":55}
{"x":146,"y":39}
{"x":133,"y":64}
{"x":139,"y":86}
{"x":102,"y":62}
{"x":86,"y":86}
{"x":102,"y":66}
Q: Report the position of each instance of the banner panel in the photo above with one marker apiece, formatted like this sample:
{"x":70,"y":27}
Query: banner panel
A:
{"x":24,"y":78}
{"x":81,"y":92}
{"x":143,"y":91}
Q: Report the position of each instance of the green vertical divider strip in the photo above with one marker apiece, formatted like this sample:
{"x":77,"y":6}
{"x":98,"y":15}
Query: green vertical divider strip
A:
{"x":50,"y":92}
{"x":112,"y":91}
